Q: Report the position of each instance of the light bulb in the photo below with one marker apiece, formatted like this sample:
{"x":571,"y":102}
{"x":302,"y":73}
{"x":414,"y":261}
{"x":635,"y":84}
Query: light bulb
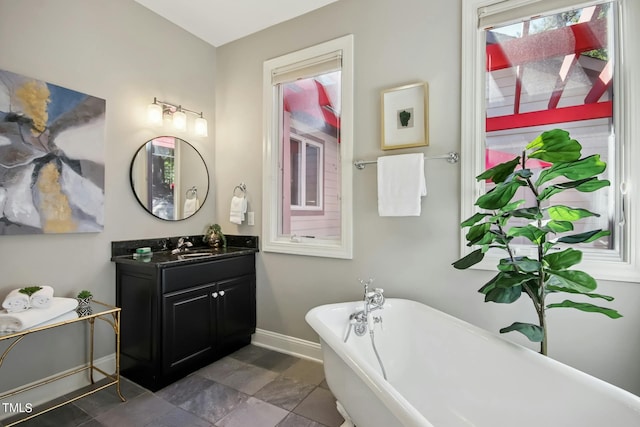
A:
{"x":154,"y":114}
{"x":179,"y":120}
{"x":200,"y":126}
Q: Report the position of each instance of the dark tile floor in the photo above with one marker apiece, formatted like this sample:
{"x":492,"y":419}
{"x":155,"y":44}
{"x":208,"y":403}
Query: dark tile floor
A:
{"x":253,"y":387}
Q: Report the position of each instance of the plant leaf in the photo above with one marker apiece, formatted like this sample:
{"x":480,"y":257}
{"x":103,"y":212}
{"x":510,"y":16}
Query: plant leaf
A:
{"x":565,"y":213}
{"x":523,"y":264}
{"x":491,"y":284}
{"x":500,"y":237}
{"x":500,"y":195}
{"x":523,"y":173}
{"x":563,"y":260}
{"x":511,"y":206}
{"x":533,"y":234}
{"x":553,"y":289}
{"x":546,"y":246}
{"x":508,"y":290}
{"x":557,"y":226}
{"x":593,"y":185}
{"x":474,"y":219}
{"x":555,"y":146}
{"x":586,"y":237}
{"x":500,"y":172}
{"x":584,"y":306}
{"x":572,"y":279}
{"x":477,"y":232}
{"x":533,"y":332}
{"x":557,"y":188}
{"x":576,"y":170}
{"x":503,"y":295}
{"x":528,"y":213}
{"x":469,"y":260}
{"x":507,"y":279}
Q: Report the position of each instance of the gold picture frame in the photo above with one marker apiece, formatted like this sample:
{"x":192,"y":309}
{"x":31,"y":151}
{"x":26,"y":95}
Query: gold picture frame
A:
{"x":405,"y":116}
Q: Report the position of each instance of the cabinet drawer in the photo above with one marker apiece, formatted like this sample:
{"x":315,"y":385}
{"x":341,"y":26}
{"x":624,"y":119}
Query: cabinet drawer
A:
{"x":186,"y":276}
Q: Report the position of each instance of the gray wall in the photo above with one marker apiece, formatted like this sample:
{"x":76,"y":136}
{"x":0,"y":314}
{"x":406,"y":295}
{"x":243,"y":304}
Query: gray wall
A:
{"x":121,"y":52}
{"x":396,"y":43}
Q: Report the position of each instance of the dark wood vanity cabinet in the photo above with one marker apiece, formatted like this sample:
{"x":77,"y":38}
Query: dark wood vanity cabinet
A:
{"x":179,"y":317}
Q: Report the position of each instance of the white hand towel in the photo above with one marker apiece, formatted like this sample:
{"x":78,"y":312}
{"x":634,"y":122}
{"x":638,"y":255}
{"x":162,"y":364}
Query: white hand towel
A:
{"x":191,"y":206}
{"x":401,"y":184}
{"x":42,"y":298}
{"x":16,"y":301}
{"x":20,"y":321}
{"x":238,"y":209}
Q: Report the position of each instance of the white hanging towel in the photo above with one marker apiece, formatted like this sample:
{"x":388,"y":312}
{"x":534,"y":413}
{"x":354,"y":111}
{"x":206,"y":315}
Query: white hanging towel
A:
{"x":191,"y":206}
{"x":238,"y":209}
{"x":401,"y":184}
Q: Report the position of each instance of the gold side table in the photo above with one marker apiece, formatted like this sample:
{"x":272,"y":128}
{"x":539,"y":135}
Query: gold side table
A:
{"x":96,"y":310}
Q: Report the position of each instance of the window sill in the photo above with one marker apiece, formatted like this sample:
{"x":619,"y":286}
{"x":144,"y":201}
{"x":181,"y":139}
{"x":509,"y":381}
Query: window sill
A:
{"x":601,"y":268}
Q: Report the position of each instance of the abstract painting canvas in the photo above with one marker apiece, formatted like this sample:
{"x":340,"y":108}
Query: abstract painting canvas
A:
{"x":51,"y":158}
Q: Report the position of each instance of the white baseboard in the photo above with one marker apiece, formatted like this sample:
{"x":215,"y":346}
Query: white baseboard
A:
{"x":288,"y":345}
{"x":55,"y":389}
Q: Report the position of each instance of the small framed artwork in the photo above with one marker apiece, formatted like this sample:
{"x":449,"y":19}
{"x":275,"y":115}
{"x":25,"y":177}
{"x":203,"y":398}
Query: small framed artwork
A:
{"x":404,"y":116}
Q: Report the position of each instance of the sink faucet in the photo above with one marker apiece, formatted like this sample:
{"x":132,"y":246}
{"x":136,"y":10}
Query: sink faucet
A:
{"x":183,"y":245}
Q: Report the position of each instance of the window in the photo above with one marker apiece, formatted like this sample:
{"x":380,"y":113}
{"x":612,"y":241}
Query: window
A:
{"x":307,"y":170}
{"x":535,"y":65}
{"x":307,"y":164}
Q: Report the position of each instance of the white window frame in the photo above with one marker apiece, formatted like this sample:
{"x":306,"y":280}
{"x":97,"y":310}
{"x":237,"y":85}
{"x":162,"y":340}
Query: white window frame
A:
{"x":271,"y":214}
{"x":624,"y":266}
{"x":302,"y":175}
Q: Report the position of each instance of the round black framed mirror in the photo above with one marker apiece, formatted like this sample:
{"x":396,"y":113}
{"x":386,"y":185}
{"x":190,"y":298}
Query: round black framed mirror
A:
{"x":169,"y":178}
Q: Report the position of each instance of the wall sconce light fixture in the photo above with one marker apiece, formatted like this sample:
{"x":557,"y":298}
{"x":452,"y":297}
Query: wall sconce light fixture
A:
{"x":159,"y":109}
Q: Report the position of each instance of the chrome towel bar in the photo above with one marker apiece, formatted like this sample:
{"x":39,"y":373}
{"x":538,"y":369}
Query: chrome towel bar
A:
{"x":451,"y":157}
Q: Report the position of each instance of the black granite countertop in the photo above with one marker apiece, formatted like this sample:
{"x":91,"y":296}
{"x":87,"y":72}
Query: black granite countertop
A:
{"x":124,"y":251}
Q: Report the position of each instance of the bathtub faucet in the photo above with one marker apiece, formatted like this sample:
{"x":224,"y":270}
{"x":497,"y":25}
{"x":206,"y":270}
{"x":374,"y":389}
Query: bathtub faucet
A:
{"x":373,"y":300}
{"x":359,"y":320}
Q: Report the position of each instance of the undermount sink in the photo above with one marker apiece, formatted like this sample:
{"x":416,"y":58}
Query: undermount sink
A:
{"x":189,"y":255}
{"x":202,"y":251}
{"x":205,"y":252}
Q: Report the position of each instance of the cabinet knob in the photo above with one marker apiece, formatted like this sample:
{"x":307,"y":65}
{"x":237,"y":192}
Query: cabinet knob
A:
{"x":214,"y":294}
{"x":221,"y":293}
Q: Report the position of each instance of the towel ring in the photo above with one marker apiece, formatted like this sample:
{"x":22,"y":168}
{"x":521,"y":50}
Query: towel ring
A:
{"x":242,"y":188}
{"x":192,"y":193}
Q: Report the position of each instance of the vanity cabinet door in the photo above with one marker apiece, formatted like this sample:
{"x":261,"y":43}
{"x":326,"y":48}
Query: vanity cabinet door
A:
{"x":188,"y":327}
{"x":236,"y":309}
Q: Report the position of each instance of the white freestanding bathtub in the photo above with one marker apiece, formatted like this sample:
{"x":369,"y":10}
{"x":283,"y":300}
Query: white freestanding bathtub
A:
{"x":444,"y":372}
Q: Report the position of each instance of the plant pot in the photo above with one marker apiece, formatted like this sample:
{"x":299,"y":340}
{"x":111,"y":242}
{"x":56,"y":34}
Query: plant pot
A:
{"x":214,"y":240}
{"x":84,"y":306}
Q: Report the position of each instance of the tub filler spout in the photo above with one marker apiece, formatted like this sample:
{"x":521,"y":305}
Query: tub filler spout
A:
{"x":360,"y":320}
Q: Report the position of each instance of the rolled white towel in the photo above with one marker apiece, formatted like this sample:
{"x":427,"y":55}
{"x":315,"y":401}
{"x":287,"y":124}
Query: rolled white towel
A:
{"x":42,"y":298}
{"x":24,"y":320}
{"x":16,"y":302}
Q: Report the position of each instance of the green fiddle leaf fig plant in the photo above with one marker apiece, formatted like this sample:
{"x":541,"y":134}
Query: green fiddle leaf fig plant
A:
{"x":549,"y":228}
